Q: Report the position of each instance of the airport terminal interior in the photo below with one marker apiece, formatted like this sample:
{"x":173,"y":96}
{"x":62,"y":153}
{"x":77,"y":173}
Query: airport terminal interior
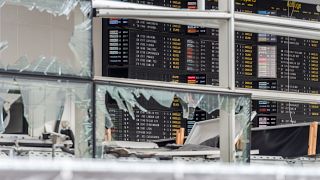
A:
{"x":159,"y":89}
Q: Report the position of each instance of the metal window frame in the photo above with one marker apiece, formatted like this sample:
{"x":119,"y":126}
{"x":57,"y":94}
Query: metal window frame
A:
{"x":227,"y":21}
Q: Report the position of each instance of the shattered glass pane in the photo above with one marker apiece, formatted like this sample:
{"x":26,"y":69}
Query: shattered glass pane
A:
{"x":164,"y":98}
{"x":101,"y":107}
{"x":2,"y":128}
{"x":3,"y":45}
{"x":189,"y":102}
{"x":243,"y":105}
{"x":210,"y":103}
{"x":136,"y":113}
{"x":45,"y":103}
{"x":49,"y":37}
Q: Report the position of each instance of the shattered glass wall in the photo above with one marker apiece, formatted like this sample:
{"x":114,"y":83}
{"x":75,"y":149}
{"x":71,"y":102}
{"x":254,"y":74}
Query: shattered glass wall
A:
{"x":144,"y":114}
{"x":44,"y":103}
{"x":48,"y":37}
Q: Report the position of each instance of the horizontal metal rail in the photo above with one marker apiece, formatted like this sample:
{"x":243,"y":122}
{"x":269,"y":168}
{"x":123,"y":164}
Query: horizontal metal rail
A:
{"x":256,"y":94}
{"x":170,"y":86}
{"x":309,"y":1}
{"x":281,"y":96}
{"x":277,"y":21}
{"x":76,"y":169}
{"x":211,"y":19}
{"x":110,"y":4}
{"x":154,"y":13}
{"x":277,"y":25}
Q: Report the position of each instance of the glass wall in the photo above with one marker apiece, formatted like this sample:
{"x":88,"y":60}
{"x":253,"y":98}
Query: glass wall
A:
{"x":47,"y":37}
{"x":36,"y":108}
{"x":153,"y":118}
{"x":46,"y":88}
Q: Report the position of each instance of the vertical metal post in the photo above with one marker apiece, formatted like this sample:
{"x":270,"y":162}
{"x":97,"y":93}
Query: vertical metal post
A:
{"x":93,"y":118}
{"x":227,"y":80}
{"x":201,"y":5}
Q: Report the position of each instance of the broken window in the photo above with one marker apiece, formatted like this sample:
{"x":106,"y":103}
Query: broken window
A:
{"x":48,"y":37}
{"x":153,"y":115}
{"x":38,"y":107}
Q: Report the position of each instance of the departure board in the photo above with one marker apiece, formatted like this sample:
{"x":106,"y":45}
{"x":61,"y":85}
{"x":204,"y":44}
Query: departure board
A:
{"x":280,"y":8}
{"x":140,"y":49}
{"x":158,"y":123}
{"x":267,"y":62}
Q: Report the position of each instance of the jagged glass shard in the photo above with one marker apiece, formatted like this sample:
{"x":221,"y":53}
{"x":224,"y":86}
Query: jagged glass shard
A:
{"x":80,"y":45}
{"x":82,"y":94}
{"x":9,"y":100}
{"x":4,"y":88}
{"x":241,"y":102}
{"x":44,"y":103}
{"x":191,"y":99}
{"x":21,"y":64}
{"x":3,"y":45}
{"x":36,"y":101}
{"x":128,"y":97}
{"x":83,"y":103}
{"x":102,"y":109}
{"x":2,"y":2}
{"x":85,"y":7}
{"x":55,"y":7}
{"x":38,"y":65}
{"x":164,"y":98}
{"x":130,"y":100}
{"x":52,"y":67}
{"x":210,"y":103}
{"x":189,"y":102}
{"x":113,"y":92}
{"x":244,"y":111}
{"x":2,"y":128}
{"x":44,"y":65}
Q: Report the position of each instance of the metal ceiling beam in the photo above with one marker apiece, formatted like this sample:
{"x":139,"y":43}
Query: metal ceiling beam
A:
{"x":168,"y":85}
{"x":256,"y":94}
{"x":174,"y":14}
{"x":211,"y":19}
{"x":277,"y":30}
{"x":280,"y":96}
{"x":110,"y":4}
{"x":308,"y":1}
{"x":277,"y":21}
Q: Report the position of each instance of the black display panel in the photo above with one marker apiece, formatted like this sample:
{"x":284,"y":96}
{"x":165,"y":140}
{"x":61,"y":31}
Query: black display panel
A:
{"x":148,"y":50}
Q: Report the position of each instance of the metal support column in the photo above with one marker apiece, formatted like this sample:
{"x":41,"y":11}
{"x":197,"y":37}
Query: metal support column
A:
{"x":227,"y":80}
{"x":201,"y":5}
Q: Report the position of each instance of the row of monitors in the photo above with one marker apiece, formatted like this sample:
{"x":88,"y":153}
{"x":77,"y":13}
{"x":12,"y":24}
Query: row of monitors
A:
{"x":169,"y":52}
{"x":257,"y":55}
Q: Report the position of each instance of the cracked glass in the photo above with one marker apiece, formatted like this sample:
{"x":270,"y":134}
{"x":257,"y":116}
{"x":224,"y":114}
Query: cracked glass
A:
{"x":145,"y":114}
{"x":48,"y":37}
{"x":34,"y":108}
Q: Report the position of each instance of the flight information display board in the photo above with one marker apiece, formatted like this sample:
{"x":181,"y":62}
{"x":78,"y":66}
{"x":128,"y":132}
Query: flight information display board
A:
{"x":267,"y":62}
{"x":149,"y":50}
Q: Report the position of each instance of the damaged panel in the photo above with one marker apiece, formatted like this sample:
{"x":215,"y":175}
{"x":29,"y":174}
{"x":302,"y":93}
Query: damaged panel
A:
{"x":127,"y":99}
{"x":49,"y":37}
{"x":140,"y":113}
{"x":47,"y":103}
